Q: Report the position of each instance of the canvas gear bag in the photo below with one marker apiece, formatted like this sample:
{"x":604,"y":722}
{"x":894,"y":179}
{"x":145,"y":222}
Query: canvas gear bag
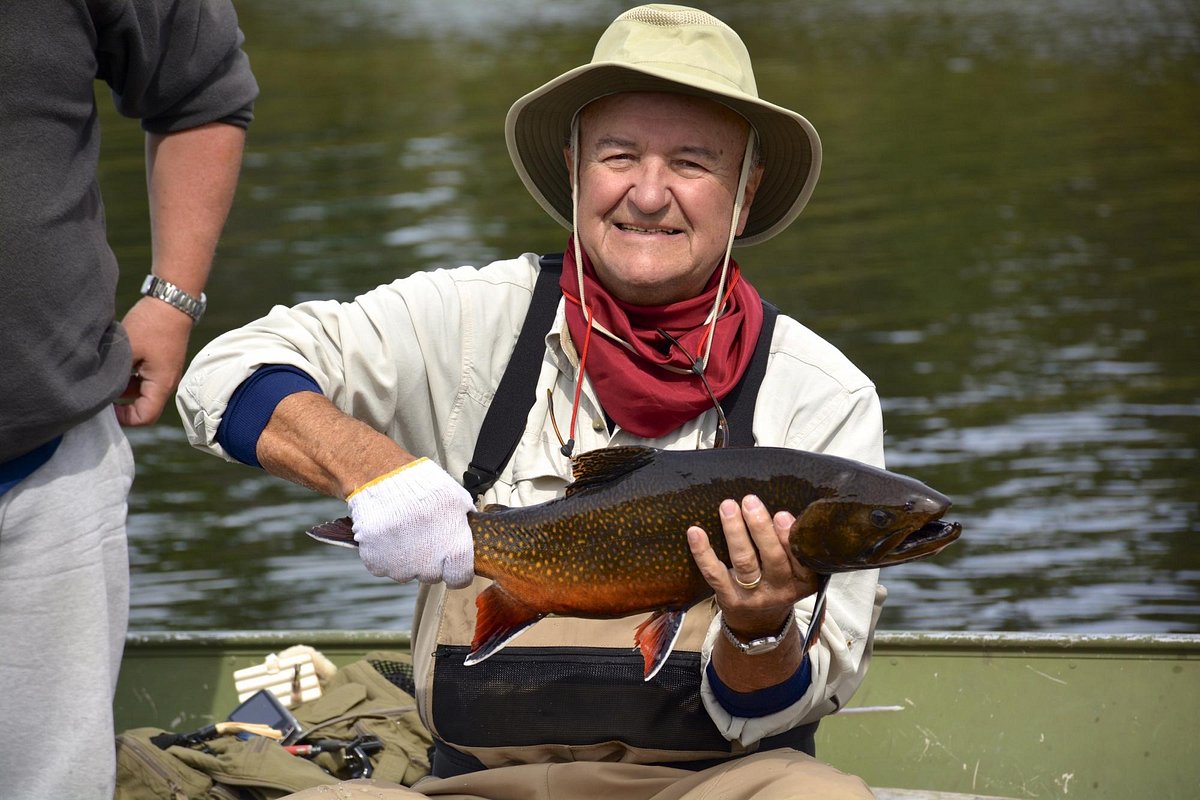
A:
{"x":225,"y":768}
{"x":372,"y":697}
{"x":368,"y":698}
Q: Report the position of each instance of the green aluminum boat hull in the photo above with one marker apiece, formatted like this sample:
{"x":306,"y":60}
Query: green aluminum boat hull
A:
{"x":1002,"y":715}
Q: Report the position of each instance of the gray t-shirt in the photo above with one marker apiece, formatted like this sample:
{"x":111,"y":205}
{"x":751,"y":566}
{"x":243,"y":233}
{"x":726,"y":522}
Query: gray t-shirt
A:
{"x":173,"y":64}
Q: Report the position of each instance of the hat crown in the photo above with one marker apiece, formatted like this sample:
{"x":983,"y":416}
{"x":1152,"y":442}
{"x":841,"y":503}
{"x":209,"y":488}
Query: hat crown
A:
{"x":678,"y":39}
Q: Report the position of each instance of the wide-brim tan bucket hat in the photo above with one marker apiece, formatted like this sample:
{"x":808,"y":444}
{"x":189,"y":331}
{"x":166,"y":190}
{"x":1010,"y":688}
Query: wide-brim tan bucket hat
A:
{"x":666,"y":48}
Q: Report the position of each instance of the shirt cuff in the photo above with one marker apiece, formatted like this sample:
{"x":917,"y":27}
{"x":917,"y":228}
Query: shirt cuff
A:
{"x":252,"y":404}
{"x":762,"y":702}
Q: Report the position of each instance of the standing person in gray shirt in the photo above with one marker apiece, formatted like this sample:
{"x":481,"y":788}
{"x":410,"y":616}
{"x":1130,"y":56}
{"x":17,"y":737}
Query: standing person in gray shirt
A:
{"x":65,"y":465}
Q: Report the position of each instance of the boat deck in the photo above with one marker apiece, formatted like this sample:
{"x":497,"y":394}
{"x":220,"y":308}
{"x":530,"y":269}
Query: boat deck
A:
{"x":940,"y":715}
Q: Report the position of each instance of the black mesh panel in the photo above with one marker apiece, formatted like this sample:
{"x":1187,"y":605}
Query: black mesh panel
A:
{"x":398,"y":673}
{"x":576,"y":696}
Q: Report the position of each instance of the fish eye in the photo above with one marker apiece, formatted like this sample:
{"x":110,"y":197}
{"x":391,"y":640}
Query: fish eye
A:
{"x":880,"y":518}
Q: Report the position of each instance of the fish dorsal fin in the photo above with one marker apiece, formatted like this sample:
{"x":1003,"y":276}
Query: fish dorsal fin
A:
{"x":598,"y":467}
{"x":493,"y":508}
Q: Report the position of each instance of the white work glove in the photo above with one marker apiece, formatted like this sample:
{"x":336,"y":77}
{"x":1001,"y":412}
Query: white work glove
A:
{"x":411,"y":524}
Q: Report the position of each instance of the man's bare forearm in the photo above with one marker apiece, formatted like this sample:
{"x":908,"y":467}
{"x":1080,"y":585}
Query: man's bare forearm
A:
{"x":191,"y":178}
{"x":310,"y":442}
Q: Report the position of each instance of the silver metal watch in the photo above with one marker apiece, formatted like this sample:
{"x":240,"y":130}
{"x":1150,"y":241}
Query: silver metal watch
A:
{"x":172,"y":295}
{"x":761,"y":645}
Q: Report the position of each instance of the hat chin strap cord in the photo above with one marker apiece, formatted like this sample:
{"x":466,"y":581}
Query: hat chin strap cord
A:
{"x":738,"y":202}
{"x":718,"y":301}
{"x":575,"y":210}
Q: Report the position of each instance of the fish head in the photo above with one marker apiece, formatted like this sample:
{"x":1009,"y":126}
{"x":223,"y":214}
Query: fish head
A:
{"x":876,"y":520}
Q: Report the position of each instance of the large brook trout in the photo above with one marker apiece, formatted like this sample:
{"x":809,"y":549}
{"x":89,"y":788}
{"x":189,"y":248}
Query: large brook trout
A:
{"x":615,"y":544}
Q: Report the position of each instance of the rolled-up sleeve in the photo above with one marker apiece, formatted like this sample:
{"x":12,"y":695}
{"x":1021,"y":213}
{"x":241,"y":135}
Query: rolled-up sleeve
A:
{"x":838,"y":661}
{"x":415,"y":359}
{"x":175,"y":64}
{"x":365,"y":355}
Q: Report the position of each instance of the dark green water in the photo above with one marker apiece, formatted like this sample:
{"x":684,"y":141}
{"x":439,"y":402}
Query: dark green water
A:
{"x":1004,"y":237}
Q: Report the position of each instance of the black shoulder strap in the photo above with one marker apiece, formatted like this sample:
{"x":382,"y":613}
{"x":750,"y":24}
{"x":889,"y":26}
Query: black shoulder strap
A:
{"x":505,"y":419}
{"x":739,"y":410}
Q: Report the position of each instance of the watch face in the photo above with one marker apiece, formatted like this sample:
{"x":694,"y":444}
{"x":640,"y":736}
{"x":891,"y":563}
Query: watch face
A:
{"x":762,"y":645}
{"x":756,"y":646}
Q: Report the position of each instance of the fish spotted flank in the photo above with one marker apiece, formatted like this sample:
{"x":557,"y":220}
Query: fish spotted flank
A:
{"x":615,"y":544}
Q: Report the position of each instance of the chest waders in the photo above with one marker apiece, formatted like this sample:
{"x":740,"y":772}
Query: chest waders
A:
{"x":667,"y":715}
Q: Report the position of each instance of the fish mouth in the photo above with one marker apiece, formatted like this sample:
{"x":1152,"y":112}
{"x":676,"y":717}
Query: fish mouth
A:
{"x":930,"y":539}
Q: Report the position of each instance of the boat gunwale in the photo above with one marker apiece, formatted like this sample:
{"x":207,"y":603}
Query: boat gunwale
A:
{"x":972,"y":641}
{"x":1038,"y":641}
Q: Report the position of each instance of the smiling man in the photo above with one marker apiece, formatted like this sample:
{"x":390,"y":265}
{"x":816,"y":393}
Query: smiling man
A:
{"x":658,"y":177}
{"x":671,"y":160}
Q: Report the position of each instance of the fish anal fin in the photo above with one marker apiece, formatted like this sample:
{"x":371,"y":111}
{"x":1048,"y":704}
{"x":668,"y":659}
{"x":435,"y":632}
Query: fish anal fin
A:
{"x":499,"y":618}
{"x":656,"y":638}
{"x":339,"y":532}
{"x":597,"y":467}
{"x":818,"y":615}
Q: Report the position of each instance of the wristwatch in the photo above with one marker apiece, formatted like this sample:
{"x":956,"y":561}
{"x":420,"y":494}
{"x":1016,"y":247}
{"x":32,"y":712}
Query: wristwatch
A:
{"x":764,"y":644}
{"x":172,"y":295}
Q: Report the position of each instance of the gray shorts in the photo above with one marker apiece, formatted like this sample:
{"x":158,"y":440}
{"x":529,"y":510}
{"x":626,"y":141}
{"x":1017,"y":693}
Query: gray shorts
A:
{"x":64,"y":610}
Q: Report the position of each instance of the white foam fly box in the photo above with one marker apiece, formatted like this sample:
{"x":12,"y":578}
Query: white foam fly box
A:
{"x":291,"y":678}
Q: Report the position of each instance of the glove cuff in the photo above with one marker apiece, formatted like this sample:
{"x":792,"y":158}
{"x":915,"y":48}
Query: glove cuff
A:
{"x":385,"y":476}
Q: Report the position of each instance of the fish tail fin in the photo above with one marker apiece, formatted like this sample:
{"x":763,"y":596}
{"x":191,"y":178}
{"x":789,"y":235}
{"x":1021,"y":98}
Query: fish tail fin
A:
{"x":339,"y":532}
{"x":818,"y":615}
{"x":656,"y":638}
{"x":499,"y":618}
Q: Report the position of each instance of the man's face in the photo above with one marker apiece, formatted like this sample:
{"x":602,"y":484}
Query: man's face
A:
{"x":657,"y":179}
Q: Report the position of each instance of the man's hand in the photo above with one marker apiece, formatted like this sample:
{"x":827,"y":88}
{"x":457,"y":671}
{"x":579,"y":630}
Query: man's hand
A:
{"x":757,"y":594}
{"x":158,"y":335}
{"x":411,"y":524}
{"x":765,"y":580}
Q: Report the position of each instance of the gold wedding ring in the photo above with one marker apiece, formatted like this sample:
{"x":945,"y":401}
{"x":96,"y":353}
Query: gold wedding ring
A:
{"x":751,"y":585}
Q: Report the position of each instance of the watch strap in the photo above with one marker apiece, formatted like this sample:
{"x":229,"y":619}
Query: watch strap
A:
{"x":764,"y":644}
{"x":172,"y":295}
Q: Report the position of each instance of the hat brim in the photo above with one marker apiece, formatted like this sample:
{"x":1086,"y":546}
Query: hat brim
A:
{"x":538,"y":126}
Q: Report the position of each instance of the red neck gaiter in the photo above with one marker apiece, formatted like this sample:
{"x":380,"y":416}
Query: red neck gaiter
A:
{"x":633,"y":387}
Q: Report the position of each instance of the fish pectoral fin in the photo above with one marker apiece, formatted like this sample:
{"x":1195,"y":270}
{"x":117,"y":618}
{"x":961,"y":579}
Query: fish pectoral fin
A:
{"x":339,"y":532}
{"x":598,"y":467}
{"x":818,"y":615}
{"x":656,"y":638}
{"x":499,"y":618}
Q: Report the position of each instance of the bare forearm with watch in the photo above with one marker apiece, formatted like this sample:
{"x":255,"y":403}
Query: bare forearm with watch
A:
{"x":191,"y":177}
{"x":760,"y":645}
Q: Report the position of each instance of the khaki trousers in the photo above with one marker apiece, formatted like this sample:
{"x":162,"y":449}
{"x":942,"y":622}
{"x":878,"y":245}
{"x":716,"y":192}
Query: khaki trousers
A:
{"x":774,"y":775}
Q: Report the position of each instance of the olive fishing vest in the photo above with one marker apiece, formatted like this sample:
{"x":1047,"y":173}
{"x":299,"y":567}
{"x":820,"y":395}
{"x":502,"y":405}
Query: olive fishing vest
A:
{"x":569,"y":689}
